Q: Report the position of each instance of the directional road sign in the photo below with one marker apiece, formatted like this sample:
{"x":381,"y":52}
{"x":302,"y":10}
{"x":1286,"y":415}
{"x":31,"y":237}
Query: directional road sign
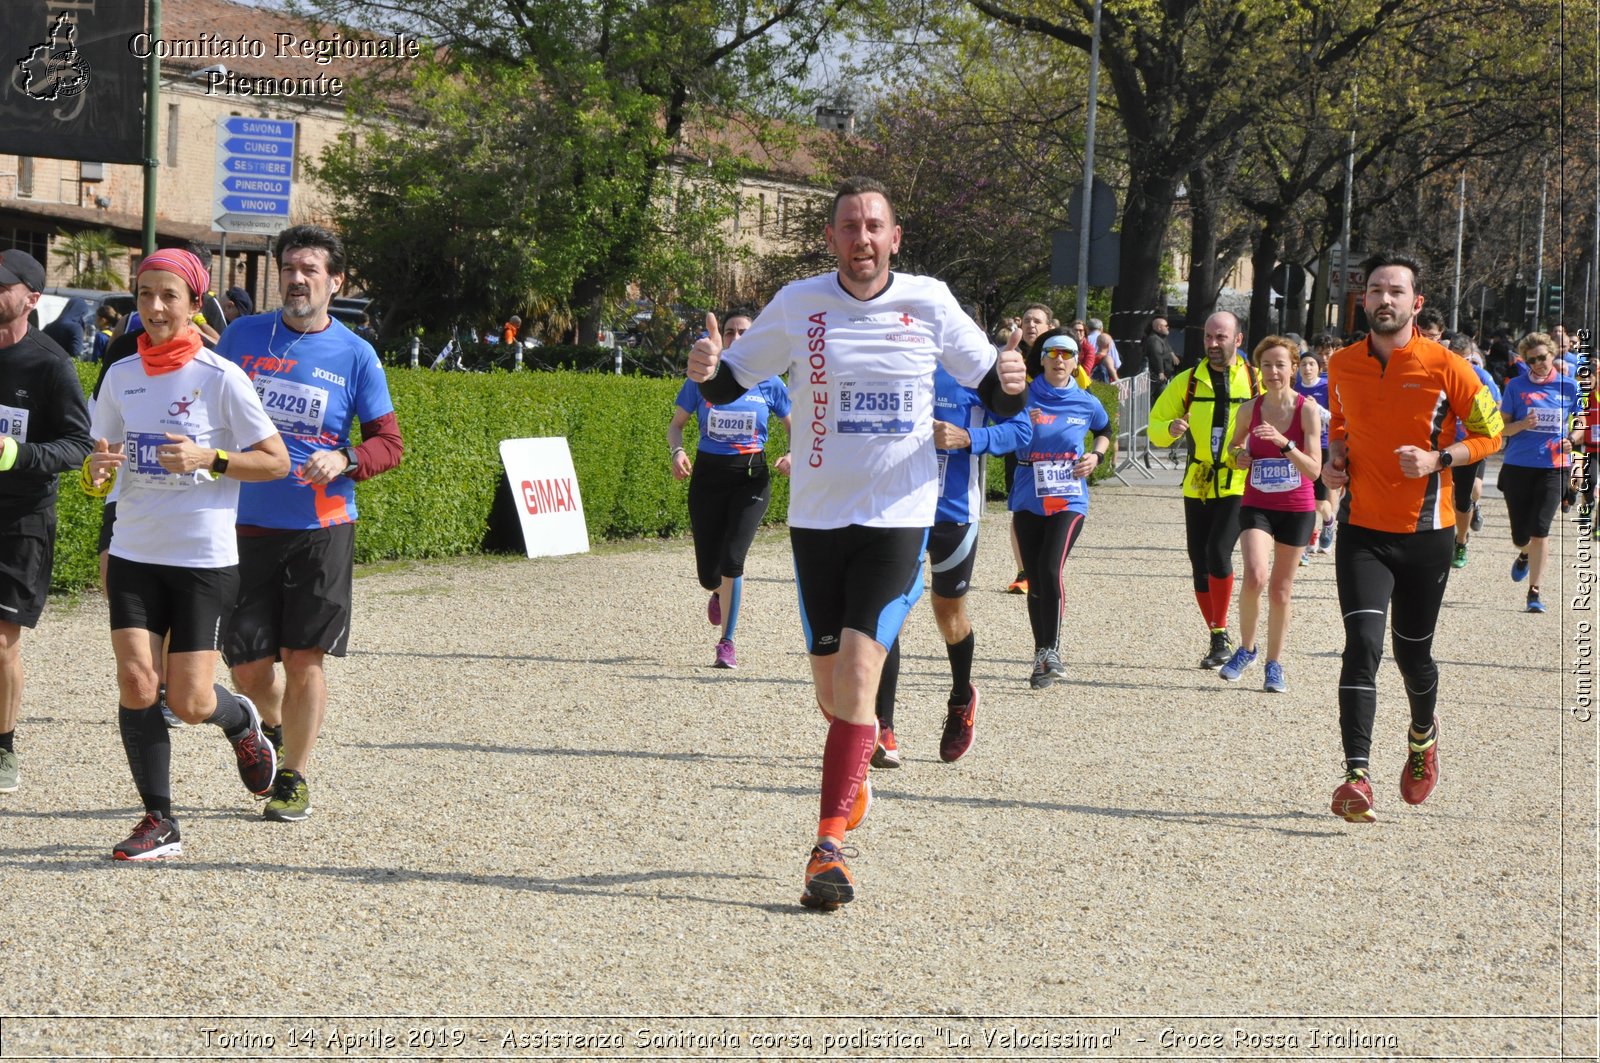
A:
{"x":255,"y":175}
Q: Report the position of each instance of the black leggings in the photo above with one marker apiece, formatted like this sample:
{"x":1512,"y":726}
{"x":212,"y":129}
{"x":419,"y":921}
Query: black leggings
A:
{"x":1402,"y":574}
{"x":1212,"y":528}
{"x":1045,"y":543}
{"x":728,"y":496}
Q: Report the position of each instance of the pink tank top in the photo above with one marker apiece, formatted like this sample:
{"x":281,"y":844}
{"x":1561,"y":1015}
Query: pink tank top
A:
{"x":1273,"y":482}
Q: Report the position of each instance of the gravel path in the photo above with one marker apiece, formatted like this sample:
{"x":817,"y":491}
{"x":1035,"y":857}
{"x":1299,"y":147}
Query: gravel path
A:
{"x":535,"y":798}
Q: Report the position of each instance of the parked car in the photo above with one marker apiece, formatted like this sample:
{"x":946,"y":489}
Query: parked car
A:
{"x":54,"y":300}
{"x":67,"y":316}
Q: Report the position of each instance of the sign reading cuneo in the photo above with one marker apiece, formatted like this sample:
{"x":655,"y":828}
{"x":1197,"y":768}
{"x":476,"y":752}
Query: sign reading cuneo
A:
{"x":255,"y":175}
{"x":545,"y":486}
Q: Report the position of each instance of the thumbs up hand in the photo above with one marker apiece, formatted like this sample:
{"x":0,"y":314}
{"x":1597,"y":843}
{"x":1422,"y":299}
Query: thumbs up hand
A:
{"x":706,"y":354}
{"x":1010,"y":367}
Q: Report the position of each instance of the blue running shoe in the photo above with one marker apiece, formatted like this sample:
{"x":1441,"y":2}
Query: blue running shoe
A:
{"x":1519,"y":568}
{"x":1535,"y":605}
{"x":1274,"y":682}
{"x":1241,"y":659}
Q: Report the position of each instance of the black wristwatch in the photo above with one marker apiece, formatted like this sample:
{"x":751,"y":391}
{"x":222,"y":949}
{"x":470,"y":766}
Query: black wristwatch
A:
{"x":1287,"y":449}
{"x":350,"y":461}
{"x":1446,"y":459}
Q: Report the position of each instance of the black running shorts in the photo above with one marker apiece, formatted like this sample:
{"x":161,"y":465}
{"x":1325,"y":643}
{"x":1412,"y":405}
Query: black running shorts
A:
{"x":1532,"y":496}
{"x":952,"y":553}
{"x":189,"y":604}
{"x":27,"y":551}
{"x":1286,"y":526}
{"x":294,"y":593}
{"x":856,"y":577}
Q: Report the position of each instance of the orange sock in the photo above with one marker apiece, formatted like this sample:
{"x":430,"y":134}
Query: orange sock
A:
{"x":1221,"y":599}
{"x":845,"y":757}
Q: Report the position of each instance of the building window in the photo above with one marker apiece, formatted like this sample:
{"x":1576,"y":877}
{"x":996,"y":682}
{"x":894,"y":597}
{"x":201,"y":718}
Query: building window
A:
{"x":24,"y":176}
{"x":172,"y":134}
{"x":35,"y":243}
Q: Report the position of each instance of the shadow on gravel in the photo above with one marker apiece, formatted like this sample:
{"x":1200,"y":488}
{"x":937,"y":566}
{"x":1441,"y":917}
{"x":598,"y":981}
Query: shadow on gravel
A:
{"x":1244,"y":820}
{"x":551,"y":751}
{"x":571,"y":886}
{"x":466,"y":656}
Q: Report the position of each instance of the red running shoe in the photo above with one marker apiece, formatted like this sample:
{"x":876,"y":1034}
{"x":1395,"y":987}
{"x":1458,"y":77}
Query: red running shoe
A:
{"x":155,"y":838}
{"x":258,"y":760}
{"x":1353,"y":799}
{"x":957,"y":738}
{"x":887,"y":752}
{"x":828,"y":881}
{"x":1421,"y":773}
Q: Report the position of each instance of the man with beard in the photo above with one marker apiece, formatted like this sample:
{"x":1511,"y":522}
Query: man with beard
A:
{"x":297,"y":535}
{"x":1396,"y":398}
{"x":1200,"y":406}
{"x":44,"y":431}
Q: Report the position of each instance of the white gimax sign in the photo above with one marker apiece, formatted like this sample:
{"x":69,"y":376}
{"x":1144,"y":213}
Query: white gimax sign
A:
{"x":545,"y":487}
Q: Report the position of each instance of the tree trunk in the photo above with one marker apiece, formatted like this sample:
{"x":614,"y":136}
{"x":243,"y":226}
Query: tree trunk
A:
{"x":1138,"y":296}
{"x":1263,"y":260}
{"x":1203,"y":282}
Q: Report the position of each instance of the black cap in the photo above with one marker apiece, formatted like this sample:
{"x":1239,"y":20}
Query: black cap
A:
{"x":19,"y":267}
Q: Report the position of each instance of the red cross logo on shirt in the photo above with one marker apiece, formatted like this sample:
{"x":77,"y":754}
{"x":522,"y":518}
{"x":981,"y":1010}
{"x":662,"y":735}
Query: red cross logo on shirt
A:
{"x":905,"y":318}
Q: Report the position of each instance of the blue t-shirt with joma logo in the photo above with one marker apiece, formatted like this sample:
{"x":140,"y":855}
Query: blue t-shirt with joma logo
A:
{"x":314,"y":386}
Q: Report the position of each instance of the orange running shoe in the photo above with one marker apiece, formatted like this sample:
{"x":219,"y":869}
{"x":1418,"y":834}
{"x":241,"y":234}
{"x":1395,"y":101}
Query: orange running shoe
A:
{"x":1019,"y":585}
{"x":887,"y":752}
{"x":863,"y":802}
{"x":828,"y":881}
{"x":1353,"y":799}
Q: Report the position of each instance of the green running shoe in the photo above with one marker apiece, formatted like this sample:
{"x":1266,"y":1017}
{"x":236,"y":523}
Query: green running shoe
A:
{"x":291,"y":798}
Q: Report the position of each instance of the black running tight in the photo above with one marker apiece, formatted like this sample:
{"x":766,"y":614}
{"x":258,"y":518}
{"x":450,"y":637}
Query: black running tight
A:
{"x":1211,"y":526}
{"x":1403,"y":575}
{"x":1045,"y":543}
{"x":727,"y":499}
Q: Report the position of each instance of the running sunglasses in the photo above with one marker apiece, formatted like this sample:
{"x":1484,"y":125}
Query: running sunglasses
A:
{"x":1538,"y":359}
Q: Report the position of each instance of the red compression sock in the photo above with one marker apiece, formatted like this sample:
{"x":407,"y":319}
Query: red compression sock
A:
{"x":844,"y":764}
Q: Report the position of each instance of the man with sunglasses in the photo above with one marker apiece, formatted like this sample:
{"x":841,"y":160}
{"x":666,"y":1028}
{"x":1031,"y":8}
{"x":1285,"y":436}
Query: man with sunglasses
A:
{"x":1396,"y":398}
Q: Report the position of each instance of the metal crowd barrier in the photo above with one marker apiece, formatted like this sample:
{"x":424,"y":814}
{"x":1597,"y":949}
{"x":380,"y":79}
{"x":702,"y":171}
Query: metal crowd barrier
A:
{"x":1133,"y":427}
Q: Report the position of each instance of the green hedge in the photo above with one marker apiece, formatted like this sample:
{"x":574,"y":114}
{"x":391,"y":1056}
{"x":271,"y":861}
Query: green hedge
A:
{"x":438,"y":502}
